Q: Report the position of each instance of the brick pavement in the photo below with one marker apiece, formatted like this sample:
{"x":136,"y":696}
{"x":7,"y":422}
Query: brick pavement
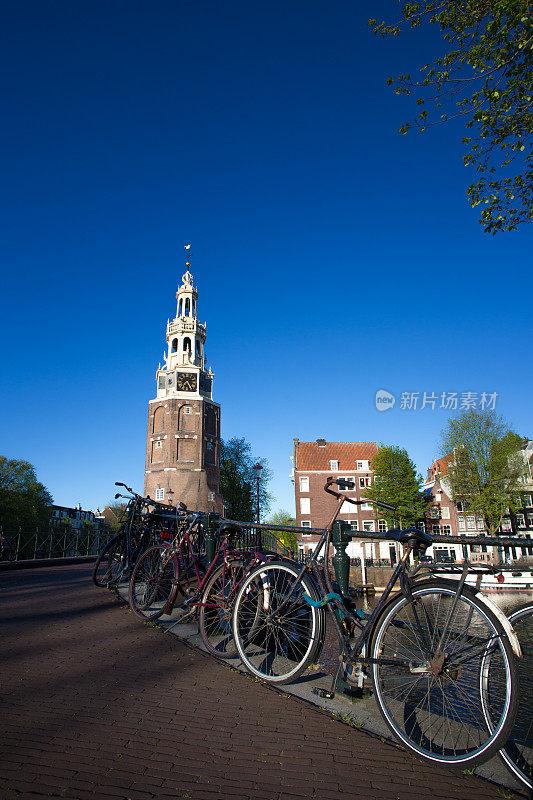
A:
{"x":98,"y":705}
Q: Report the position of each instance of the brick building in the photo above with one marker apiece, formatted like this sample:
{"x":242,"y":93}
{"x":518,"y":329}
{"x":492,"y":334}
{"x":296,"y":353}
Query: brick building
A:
{"x":183,"y":439}
{"x":446,"y":517}
{"x":314,"y":463}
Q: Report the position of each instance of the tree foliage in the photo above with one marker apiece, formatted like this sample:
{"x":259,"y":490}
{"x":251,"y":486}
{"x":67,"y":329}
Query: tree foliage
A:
{"x":484,"y":474}
{"x":485,"y":77}
{"x":396,"y":481}
{"x":238,"y":481}
{"x":287,"y":538}
{"x":24,"y":501}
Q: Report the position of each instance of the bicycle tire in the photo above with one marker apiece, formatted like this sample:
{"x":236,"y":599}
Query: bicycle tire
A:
{"x":277,"y":649}
{"x":110,"y":562}
{"x":216,"y":609}
{"x":153,"y":582}
{"x":517,"y":751}
{"x":433,"y":702}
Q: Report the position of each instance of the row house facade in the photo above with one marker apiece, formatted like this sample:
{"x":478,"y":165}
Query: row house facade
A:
{"x":314,"y":462}
{"x":448,"y":518}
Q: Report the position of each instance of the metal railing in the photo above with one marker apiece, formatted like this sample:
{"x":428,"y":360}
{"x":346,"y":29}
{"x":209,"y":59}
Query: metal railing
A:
{"x":33,"y":545}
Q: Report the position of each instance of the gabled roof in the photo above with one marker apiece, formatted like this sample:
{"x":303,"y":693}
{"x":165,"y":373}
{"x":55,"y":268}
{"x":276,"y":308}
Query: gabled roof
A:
{"x":440,"y":465}
{"x":312,"y":456}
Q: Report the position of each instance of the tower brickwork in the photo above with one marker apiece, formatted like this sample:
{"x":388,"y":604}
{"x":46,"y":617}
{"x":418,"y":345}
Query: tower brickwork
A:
{"x":183,"y":439}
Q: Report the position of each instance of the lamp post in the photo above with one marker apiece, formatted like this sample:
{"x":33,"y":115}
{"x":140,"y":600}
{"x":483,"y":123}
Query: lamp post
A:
{"x":257,"y":469}
{"x":170,"y":495}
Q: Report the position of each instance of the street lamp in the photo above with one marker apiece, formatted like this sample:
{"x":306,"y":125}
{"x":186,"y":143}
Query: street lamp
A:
{"x":170,"y":495}
{"x":258,"y":468}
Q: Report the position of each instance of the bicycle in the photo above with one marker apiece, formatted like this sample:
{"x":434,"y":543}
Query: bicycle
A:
{"x":426,"y":646}
{"x":175,"y":575}
{"x":116,"y":560}
{"x":517,"y":751}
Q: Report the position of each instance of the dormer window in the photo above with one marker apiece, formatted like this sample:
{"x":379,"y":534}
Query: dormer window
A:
{"x":334,"y":466}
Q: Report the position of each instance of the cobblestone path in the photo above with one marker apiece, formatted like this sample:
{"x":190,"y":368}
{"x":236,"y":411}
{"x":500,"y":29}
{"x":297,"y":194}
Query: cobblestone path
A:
{"x":97,"y":705}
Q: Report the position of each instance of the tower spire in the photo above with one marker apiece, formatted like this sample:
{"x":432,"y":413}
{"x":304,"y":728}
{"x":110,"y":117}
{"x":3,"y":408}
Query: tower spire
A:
{"x":187,"y":278}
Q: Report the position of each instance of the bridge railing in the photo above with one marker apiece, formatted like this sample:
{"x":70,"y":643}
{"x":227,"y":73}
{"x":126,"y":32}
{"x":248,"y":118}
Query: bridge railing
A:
{"x":54,"y":543}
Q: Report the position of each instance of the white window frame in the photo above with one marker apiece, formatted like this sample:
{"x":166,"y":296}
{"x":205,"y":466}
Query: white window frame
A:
{"x":334,"y":465}
{"x":159,"y":444}
{"x":444,"y":512}
{"x":305,"y":505}
{"x":187,"y":410}
{"x":159,"y":494}
{"x":471,"y":523}
{"x":446,"y":532}
{"x":365,"y":481}
{"x":369,"y":526}
{"x":304,"y":483}
{"x":360,"y":466}
{"x":382,"y":526}
{"x":461,"y":524}
{"x":346,"y":478}
{"x":367,"y":507}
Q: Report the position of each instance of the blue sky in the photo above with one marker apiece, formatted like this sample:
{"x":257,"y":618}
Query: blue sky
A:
{"x":334,"y":257}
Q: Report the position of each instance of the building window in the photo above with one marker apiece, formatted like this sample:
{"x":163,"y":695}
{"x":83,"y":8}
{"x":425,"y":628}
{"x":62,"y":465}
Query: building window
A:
{"x":435,"y":529}
{"x":174,"y":345}
{"x":520,"y":521}
{"x":352,"y":523}
{"x":459,"y":506}
{"x":360,"y":465}
{"x":461,"y":524}
{"x":347,"y":478}
{"x":364,"y":482}
{"x":382,"y":526}
{"x":368,"y":525}
{"x":506,"y":525}
{"x":446,"y":530}
{"x":159,"y":443}
{"x":470,"y":523}
{"x":159,"y":494}
{"x":304,"y":484}
{"x":445,"y":512}
{"x":480,"y":523}
{"x":305,"y":505}
{"x":434,"y":512}
{"x":334,"y":466}
{"x":527,"y":501}
{"x":366,"y":507}
{"x":211,"y":496}
{"x":306,"y":523}
{"x":159,"y":420}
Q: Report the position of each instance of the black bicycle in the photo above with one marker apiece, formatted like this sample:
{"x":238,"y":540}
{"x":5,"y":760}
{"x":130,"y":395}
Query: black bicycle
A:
{"x":441,"y":661}
{"x":143,"y":520}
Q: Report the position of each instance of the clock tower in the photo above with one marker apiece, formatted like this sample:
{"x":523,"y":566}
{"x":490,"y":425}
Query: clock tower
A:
{"x":183,"y":441}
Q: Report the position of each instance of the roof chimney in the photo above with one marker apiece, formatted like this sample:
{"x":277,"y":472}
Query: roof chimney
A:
{"x":321,"y":442}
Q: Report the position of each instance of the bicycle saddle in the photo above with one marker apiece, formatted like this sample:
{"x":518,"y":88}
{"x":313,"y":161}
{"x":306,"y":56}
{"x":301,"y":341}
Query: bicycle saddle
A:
{"x":412,"y":536}
{"x":229,"y":529}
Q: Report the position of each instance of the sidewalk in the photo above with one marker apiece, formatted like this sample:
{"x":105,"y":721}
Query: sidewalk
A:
{"x":98,"y":705}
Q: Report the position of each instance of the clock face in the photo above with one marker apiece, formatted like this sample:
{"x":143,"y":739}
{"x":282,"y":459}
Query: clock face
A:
{"x":186,"y":381}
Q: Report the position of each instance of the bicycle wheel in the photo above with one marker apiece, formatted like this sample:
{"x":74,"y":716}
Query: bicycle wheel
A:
{"x":277,"y":634}
{"x":153,"y":582}
{"x":518,"y":750}
{"x":111,"y":562}
{"x":433,"y":671}
{"x":214,"y":617}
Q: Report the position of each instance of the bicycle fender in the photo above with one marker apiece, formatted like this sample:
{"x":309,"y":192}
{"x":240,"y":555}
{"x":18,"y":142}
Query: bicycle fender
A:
{"x":509,"y":630}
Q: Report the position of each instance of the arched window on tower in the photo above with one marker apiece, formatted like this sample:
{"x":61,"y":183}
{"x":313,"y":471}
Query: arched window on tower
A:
{"x":187,"y":346}
{"x":159,"y":420}
{"x":210,"y":422}
{"x":194,"y":308}
{"x":174,"y":345}
{"x":198,"y":348}
{"x":180,"y":308}
{"x":187,"y":307}
{"x":186,"y":419}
